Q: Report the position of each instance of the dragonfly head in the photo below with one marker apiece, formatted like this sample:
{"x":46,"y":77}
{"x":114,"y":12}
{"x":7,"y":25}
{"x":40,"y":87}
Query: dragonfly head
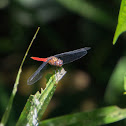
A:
{"x":60,"y":62}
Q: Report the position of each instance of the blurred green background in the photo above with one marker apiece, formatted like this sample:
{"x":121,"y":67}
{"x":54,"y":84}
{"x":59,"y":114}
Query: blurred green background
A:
{"x":93,"y":81}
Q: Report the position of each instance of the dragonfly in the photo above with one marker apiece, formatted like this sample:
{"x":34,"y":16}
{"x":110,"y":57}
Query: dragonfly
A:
{"x":57,"y":60}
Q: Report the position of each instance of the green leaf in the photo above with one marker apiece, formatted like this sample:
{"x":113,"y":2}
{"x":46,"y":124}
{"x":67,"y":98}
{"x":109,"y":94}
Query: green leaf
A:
{"x":115,"y":86}
{"x":125,"y":83}
{"x":96,"y":117}
{"x":121,"y":26}
{"x":9,"y":106}
{"x":37,"y":104}
{"x":88,"y":10}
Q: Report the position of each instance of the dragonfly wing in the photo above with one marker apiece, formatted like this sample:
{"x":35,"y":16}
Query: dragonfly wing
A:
{"x":71,"y":56}
{"x":36,"y":75}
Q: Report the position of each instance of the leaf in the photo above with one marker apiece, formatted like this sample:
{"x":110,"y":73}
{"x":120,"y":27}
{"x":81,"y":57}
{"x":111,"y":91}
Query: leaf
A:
{"x":115,"y":86}
{"x":37,"y":104}
{"x":96,"y":117}
{"x":87,"y":10}
{"x":9,"y":106}
{"x":125,"y":83}
{"x":121,"y":26}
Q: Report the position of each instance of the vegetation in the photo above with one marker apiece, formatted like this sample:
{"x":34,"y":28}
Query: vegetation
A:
{"x":93,"y":90}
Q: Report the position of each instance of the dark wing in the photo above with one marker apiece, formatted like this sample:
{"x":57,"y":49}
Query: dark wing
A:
{"x":36,"y":75}
{"x":71,"y":56}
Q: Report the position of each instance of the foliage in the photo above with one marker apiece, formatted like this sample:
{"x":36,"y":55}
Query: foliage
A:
{"x":37,"y":104}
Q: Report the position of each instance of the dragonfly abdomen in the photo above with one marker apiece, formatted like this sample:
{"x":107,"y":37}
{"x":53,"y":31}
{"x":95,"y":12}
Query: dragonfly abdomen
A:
{"x":55,"y":61}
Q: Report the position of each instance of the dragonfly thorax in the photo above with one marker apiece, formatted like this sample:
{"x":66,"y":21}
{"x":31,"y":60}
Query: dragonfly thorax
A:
{"x":55,"y":61}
